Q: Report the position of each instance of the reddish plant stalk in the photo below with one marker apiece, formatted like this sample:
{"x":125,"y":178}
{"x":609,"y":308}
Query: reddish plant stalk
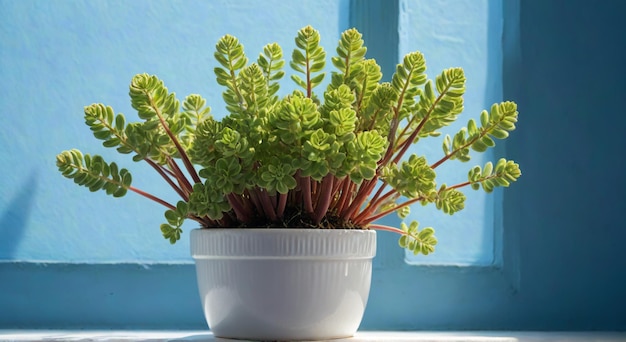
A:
{"x":164,"y":173}
{"x":267,"y":205}
{"x":152,"y":197}
{"x":180,"y":176}
{"x":373,"y":206}
{"x":391,"y":138}
{"x":240,"y":211}
{"x":307,"y":200}
{"x":361,"y":196}
{"x":338,"y":185}
{"x":179,"y":147}
{"x":282,"y":203}
{"x":254,"y":198}
{"x":370,"y":219}
{"x":393,"y":128}
{"x":325,"y":197}
{"x":374,"y":198}
{"x":407,"y":143}
{"x":374,"y":118}
{"x":387,"y":228}
{"x":309,"y":88}
{"x":346,"y":194}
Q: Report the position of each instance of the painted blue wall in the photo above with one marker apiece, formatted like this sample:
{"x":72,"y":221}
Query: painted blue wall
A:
{"x":59,"y":56}
{"x":568,"y":212}
{"x":77,"y":60}
{"x":563,"y":263}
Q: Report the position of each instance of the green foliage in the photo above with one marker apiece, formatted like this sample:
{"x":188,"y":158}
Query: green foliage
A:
{"x":449,"y":200}
{"x":203,"y":151}
{"x":495,"y":124}
{"x":350,"y":51}
{"x":417,"y":241}
{"x":277,"y":176}
{"x":364,"y":152}
{"x":271,"y":62}
{"x":406,"y":81}
{"x":206,"y":200}
{"x":94,"y":173}
{"x":229,"y":53}
{"x":105,"y":125}
{"x":340,"y":159}
{"x":309,"y":58}
{"x":151,"y":99}
{"x":175,"y":217}
{"x":437,"y":111}
{"x":505,"y":172}
{"x":413,"y":178}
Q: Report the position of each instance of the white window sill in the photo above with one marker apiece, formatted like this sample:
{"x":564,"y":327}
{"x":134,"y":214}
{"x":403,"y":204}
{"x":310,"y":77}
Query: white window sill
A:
{"x":364,"y":336}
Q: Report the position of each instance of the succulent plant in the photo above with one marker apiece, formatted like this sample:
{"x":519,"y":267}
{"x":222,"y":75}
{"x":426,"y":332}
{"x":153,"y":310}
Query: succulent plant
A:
{"x":337,"y":161}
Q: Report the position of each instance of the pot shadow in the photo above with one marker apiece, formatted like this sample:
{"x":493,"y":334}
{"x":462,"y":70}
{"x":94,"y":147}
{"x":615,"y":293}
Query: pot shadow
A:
{"x":206,"y":337}
{"x":14,"y":220}
{"x":209,"y":337}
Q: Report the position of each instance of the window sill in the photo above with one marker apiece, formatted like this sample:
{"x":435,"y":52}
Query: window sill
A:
{"x":364,"y":336}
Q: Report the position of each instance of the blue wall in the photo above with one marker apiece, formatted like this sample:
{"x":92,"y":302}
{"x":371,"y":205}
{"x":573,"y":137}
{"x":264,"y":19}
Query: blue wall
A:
{"x":564,"y":265}
{"x":59,"y":56}
{"x":568,"y":212}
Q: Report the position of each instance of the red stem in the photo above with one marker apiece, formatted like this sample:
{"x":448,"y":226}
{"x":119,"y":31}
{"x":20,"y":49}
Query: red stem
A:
{"x":152,"y":197}
{"x":309,"y":89}
{"x":387,"y":228}
{"x":373,"y":206}
{"x":346,"y":194}
{"x":368,"y":220}
{"x":374,"y":198}
{"x":240,"y":211}
{"x":179,"y":148}
{"x":305,"y":185}
{"x":266,"y":203}
{"x":254,"y":198}
{"x":178,"y":173}
{"x":326,"y":193}
{"x":282,"y":203}
{"x":164,"y":173}
{"x":407,"y":143}
{"x":360,"y":198}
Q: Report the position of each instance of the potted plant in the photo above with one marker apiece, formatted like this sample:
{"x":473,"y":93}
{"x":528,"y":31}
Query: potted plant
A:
{"x":288,"y":190}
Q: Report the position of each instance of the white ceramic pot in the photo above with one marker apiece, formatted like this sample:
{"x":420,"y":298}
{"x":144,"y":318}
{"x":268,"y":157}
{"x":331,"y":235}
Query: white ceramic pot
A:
{"x":283,"y":284}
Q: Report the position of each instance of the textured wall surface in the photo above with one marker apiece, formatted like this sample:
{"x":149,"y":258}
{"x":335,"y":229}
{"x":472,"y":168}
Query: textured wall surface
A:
{"x":59,"y":56}
{"x":563,"y":263}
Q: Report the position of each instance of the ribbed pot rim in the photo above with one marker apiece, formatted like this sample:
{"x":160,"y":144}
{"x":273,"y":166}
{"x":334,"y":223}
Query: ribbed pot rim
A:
{"x":278,"y":243}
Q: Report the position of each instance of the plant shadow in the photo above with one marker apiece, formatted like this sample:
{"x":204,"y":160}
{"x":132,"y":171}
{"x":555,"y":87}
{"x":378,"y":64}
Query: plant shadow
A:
{"x":14,"y":220}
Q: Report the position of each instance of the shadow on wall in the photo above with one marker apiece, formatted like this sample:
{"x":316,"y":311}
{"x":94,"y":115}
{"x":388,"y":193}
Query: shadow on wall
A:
{"x":14,"y":219}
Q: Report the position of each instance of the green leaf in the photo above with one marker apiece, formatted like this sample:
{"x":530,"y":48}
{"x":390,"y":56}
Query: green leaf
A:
{"x":413,"y":178}
{"x":418,"y":241}
{"x":298,"y":81}
{"x":489,"y":177}
{"x":308,"y":58}
{"x":171,"y":233}
{"x":436,"y":111}
{"x":150,"y":97}
{"x":317,"y":79}
{"x":94,"y":173}
{"x":450,"y":200}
